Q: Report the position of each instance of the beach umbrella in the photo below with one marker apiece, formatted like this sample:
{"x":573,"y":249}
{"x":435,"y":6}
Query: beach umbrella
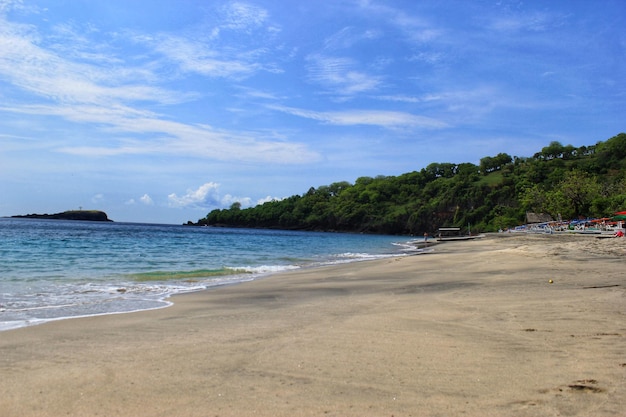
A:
{"x":621,"y":213}
{"x":620,"y":217}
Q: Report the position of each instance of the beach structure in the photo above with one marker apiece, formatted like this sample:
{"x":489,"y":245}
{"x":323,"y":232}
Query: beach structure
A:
{"x":538,"y":218}
{"x":453,"y":233}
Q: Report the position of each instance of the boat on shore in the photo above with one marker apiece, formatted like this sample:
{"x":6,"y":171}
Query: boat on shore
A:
{"x":447,"y":234}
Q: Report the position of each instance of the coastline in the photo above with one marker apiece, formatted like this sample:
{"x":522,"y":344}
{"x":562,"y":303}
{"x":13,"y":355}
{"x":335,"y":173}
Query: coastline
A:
{"x":472,"y":328}
{"x":58,"y":269}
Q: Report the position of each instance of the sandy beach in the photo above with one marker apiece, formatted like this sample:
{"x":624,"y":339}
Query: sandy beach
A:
{"x":474,"y":328}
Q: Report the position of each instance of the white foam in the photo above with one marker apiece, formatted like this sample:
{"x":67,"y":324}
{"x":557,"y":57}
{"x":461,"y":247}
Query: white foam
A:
{"x":264,"y":269}
{"x":16,"y":324}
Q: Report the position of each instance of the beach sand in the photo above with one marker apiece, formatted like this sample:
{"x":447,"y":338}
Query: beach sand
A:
{"x":474,"y":328}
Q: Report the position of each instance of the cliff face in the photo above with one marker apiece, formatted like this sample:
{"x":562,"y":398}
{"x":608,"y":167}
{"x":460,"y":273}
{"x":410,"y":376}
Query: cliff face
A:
{"x":87,"y":215}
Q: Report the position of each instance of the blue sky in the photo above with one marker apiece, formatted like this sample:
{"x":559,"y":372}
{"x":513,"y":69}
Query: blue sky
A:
{"x":162,"y":110}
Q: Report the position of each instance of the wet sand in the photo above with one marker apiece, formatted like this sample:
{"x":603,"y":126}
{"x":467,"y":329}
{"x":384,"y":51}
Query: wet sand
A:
{"x":474,"y":328}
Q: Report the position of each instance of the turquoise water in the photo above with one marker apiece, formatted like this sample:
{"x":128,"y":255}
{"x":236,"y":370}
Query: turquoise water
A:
{"x":54,"y":269}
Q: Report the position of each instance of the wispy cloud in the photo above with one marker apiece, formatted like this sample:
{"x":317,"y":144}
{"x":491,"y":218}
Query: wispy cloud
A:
{"x":215,"y":49}
{"x":98,"y":198}
{"x":427,"y":57}
{"x":50,"y":76}
{"x":381,"y":118}
{"x":340,"y":75}
{"x":110,"y":95}
{"x":195,"y":56}
{"x":144,"y":199}
{"x":528,"y":21}
{"x":409,"y":99}
{"x":252,"y":93}
{"x":201,"y":141}
{"x":243,"y":16}
{"x":61,"y":70}
{"x":348,"y":36}
{"x":414,"y":28}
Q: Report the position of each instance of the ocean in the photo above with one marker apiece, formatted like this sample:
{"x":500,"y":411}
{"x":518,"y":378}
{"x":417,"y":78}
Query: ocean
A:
{"x":56,"y":269}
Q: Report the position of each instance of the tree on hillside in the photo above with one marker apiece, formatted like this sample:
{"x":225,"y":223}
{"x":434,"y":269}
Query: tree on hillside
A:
{"x":490,"y":164}
{"x":554,"y":150}
{"x":535,"y":199}
{"x":574,"y":195}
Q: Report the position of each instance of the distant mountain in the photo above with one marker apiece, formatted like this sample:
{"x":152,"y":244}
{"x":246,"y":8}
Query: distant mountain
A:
{"x":87,"y":215}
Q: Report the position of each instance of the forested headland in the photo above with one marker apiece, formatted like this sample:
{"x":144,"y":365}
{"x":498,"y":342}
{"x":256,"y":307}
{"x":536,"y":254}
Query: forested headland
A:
{"x":85,"y":215}
{"x":561,"y":180}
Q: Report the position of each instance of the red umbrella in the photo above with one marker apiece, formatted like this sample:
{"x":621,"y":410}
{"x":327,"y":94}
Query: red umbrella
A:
{"x":623,"y":213}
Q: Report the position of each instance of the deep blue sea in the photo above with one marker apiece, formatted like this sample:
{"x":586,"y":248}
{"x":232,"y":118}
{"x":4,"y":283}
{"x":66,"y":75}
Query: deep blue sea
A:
{"x":55,"y":269}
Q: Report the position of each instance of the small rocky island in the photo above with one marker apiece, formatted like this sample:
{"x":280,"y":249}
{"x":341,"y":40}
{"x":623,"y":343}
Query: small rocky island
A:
{"x":88,"y":215}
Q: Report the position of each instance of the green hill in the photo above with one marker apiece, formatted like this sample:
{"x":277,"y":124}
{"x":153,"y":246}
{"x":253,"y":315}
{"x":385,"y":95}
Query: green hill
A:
{"x":561,"y":180}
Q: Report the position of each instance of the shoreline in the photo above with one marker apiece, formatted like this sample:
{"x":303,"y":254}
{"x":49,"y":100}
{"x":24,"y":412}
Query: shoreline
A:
{"x":45,"y":286}
{"x":475,"y":327}
{"x":166,"y":301}
{"x":420,"y":249}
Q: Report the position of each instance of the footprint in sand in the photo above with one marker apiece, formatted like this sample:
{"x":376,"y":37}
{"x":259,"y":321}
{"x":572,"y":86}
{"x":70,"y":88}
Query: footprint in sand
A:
{"x":585,"y":385}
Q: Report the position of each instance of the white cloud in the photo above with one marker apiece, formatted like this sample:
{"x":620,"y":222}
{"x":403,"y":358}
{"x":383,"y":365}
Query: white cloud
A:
{"x":267,"y":200}
{"x":6,"y":5}
{"x":98,"y":198}
{"x":146,"y":199}
{"x":228,"y":200}
{"x":205,"y":195}
{"x":381,"y":118}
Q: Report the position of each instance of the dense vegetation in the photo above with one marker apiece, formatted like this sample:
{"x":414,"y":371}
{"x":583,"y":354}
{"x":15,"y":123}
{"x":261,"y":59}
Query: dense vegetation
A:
{"x":563,"y":181}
